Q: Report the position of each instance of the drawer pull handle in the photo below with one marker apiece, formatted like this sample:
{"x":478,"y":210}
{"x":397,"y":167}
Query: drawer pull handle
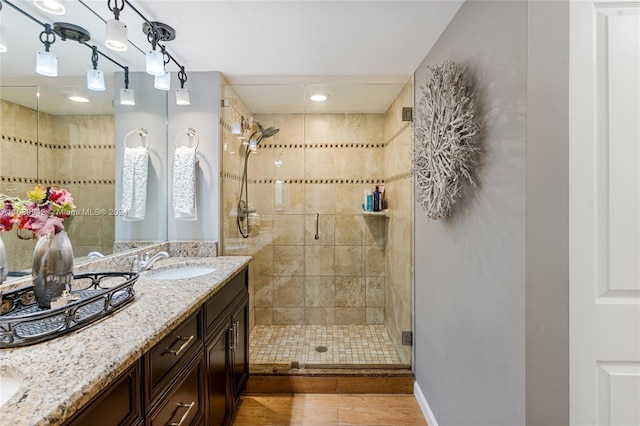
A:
{"x":235,"y":335}
{"x":181,"y":348}
{"x":184,"y":416}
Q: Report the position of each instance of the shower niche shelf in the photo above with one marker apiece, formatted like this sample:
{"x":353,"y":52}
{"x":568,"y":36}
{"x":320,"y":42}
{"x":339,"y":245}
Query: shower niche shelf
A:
{"x":384,"y":213}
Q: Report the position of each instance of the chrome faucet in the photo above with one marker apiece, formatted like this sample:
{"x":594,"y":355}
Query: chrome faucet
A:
{"x":94,"y":255}
{"x":144,"y":264}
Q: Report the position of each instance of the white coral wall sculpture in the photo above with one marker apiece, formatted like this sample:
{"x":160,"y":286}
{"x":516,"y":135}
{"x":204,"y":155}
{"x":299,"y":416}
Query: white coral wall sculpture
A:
{"x":444,"y":133}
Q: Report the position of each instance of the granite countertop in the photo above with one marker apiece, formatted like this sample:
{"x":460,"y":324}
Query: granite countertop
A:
{"x":61,"y":375}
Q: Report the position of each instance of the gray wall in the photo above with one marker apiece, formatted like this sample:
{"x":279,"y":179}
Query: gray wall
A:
{"x":157,"y":111}
{"x":149,"y":112}
{"x":548,"y":214}
{"x":470,"y":270}
{"x":203,"y":115}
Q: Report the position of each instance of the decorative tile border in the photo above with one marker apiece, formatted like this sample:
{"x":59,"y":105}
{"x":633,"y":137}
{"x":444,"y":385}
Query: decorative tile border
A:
{"x":25,"y":141}
{"x":407,"y":125}
{"x":230,"y":176}
{"x":398,"y":177}
{"x":35,"y":181}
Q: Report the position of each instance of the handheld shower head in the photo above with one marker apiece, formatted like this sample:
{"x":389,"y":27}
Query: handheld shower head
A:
{"x":270,"y":131}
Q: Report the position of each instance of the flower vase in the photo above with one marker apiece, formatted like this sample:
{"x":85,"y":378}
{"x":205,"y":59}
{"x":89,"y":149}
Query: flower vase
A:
{"x":4,"y":271}
{"x":52,"y":267}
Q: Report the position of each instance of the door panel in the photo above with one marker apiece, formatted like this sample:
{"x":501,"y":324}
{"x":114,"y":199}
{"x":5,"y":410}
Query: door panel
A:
{"x":605,"y":213}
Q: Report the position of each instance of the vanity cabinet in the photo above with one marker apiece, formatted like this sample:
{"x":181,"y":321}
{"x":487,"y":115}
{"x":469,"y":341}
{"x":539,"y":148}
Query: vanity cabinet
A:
{"x":193,"y":376}
{"x":118,"y":404}
{"x":227,"y":349}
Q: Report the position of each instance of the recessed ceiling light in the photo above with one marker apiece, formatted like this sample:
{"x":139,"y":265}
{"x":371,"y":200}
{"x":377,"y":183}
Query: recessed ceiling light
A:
{"x":55,"y":7}
{"x":319,"y":97}
{"x":77,"y":98}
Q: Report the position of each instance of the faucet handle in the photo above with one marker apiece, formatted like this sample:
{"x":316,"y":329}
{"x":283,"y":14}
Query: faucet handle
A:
{"x":135,"y":263}
{"x":148,"y":254}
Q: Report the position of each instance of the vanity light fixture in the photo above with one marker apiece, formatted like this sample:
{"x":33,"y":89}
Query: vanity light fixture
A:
{"x":95,"y":77}
{"x":47,"y":62}
{"x":116,"y":30}
{"x":182,"y":94}
{"x":163,"y":81}
{"x":157,"y":31}
{"x":54,"y":7}
{"x":126,"y":95}
{"x":319,"y":97}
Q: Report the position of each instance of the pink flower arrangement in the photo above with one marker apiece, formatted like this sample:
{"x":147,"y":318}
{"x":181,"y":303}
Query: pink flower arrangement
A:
{"x":42,"y":213}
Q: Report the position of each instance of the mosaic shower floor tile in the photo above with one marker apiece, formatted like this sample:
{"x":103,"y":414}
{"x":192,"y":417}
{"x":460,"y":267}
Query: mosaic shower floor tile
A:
{"x":322,"y":345}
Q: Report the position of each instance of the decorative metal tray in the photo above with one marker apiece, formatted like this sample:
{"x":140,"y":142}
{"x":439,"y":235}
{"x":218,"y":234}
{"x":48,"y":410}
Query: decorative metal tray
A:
{"x":23,"y":323}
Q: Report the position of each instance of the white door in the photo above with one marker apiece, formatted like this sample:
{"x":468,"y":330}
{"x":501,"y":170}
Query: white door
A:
{"x":604,"y":205}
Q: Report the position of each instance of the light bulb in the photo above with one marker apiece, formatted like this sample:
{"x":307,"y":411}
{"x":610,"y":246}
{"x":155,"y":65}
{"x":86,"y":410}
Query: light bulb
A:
{"x":47,"y":64}
{"x":319,"y":97}
{"x":182,"y":97}
{"x":162,"y":81}
{"x":127,"y":97}
{"x":116,"y":35}
{"x":54,"y":7}
{"x":155,"y":62}
{"x":95,"y":80}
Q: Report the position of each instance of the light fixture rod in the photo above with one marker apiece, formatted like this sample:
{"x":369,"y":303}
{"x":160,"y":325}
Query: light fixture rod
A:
{"x":106,"y":56}
{"x":155,"y":31}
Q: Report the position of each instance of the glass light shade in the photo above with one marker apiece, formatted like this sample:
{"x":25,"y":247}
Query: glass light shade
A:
{"x":182,"y":97}
{"x":155,"y":62}
{"x":95,"y":80}
{"x":116,"y":35}
{"x":163,"y":81}
{"x":253,"y":145}
{"x":3,"y":40}
{"x":236,"y":128}
{"x":54,"y":7}
{"x":127,"y":97}
{"x":47,"y":64}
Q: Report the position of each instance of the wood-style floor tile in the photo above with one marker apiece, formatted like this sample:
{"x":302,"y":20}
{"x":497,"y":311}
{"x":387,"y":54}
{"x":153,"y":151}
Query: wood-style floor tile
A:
{"x":328,"y":410}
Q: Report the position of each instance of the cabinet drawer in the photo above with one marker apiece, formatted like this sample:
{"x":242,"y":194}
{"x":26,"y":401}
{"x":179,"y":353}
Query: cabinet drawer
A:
{"x":118,"y":404}
{"x":184,"y":402}
{"x":165,"y":358}
{"x":218,"y":303}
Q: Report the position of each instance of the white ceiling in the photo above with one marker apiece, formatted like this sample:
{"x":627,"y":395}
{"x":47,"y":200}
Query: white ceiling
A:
{"x":367,"y":49}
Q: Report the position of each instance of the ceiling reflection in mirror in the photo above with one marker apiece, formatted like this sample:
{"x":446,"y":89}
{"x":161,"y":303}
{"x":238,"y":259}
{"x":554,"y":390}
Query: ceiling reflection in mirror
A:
{"x":49,"y":139}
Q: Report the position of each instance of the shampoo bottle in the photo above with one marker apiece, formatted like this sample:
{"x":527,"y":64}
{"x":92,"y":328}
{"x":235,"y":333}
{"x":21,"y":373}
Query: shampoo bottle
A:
{"x":369,"y":201}
{"x":376,"y":200}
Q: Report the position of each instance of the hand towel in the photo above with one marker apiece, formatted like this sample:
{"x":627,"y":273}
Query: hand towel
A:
{"x":134,"y":182}
{"x":184,"y":184}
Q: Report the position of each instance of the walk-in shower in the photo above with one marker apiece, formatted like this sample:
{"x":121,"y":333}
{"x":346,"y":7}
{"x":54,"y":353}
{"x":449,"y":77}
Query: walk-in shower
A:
{"x":243,"y":201}
{"x":324,"y":274}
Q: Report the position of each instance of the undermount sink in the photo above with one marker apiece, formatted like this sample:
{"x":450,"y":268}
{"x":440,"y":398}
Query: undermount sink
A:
{"x":182,"y":273}
{"x":8,"y":387}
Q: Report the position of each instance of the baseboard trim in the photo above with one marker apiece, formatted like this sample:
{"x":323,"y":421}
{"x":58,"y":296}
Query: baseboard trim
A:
{"x":424,"y":405}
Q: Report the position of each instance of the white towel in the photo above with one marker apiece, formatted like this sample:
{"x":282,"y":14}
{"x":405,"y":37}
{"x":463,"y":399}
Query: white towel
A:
{"x":134,"y":182}
{"x":184,"y":184}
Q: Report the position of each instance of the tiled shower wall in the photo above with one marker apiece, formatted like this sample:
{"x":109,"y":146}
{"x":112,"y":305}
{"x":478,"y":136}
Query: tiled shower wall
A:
{"x":399,"y":248}
{"x":322,"y":164}
{"x":75,"y":152}
{"x":317,"y":164}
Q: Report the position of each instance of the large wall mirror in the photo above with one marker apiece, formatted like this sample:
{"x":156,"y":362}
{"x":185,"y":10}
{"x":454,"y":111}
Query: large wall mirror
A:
{"x":46,"y":137}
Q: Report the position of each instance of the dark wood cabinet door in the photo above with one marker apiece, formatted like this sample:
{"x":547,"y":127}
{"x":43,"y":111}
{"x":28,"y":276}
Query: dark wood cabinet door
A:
{"x":120,"y":404}
{"x":240,"y":348}
{"x":218,"y":377}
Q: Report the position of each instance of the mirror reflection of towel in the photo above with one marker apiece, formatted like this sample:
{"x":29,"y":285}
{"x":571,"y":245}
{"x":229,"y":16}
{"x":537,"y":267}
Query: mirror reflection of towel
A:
{"x":134,"y":183}
{"x":184,"y":184}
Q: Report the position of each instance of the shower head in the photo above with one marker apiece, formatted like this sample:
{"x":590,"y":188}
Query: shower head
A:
{"x":270,"y":131}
